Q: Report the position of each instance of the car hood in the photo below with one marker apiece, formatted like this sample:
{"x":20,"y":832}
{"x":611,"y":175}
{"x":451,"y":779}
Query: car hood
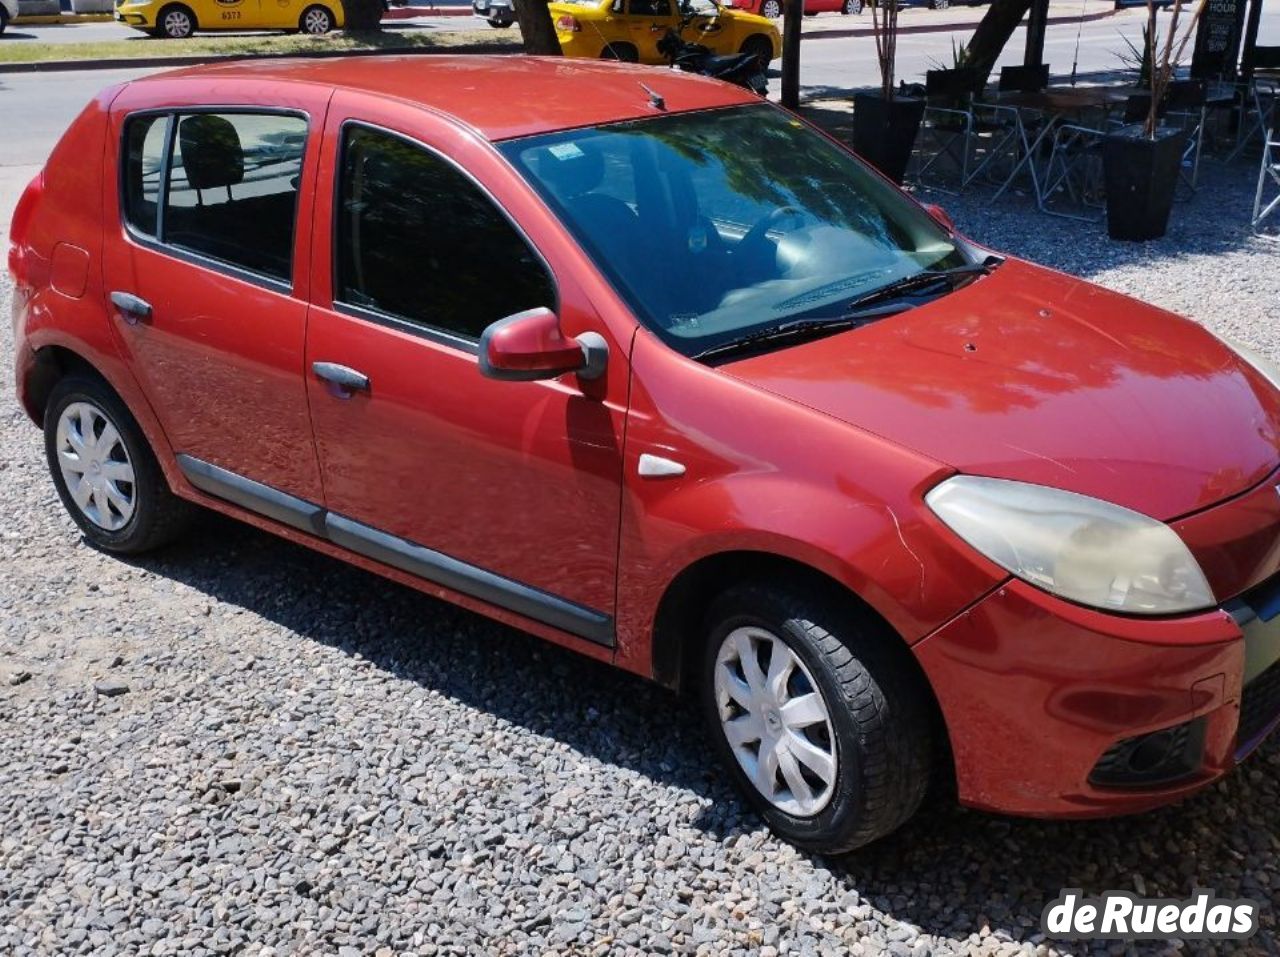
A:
{"x":1031,"y":375}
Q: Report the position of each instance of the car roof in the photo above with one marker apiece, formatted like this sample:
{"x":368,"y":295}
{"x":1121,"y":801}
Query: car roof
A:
{"x":501,"y":97}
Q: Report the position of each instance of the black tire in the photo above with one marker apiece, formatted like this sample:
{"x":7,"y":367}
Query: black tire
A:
{"x":500,"y":24}
{"x":315,"y":21}
{"x":176,"y":22}
{"x":881,"y":721}
{"x":624,"y":52}
{"x":159,"y":516}
{"x":771,"y":9}
{"x":851,"y":7}
{"x":758,"y":45}
{"x":4,"y":19}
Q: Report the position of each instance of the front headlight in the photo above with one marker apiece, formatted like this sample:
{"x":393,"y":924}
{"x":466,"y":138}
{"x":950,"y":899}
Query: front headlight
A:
{"x":1080,"y":548}
{"x":1261,"y":364}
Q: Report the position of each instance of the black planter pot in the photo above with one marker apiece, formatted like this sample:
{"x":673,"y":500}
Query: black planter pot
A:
{"x":1141,"y":176}
{"x":884,"y":131}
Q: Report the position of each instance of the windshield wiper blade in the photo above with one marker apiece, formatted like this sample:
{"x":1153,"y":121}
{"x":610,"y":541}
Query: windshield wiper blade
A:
{"x":923,"y":280}
{"x":799,"y":330}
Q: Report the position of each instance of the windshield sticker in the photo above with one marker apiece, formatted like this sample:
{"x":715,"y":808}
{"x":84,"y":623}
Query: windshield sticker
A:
{"x":565,"y":151}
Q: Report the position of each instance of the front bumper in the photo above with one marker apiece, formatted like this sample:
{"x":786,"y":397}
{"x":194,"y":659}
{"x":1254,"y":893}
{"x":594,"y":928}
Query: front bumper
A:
{"x":1037,"y":692}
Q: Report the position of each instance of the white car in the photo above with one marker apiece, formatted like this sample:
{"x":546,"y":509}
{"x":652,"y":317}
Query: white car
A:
{"x":8,"y":10}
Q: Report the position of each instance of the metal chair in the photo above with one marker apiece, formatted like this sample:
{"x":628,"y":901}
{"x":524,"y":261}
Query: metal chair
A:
{"x":1265,"y":206}
{"x":947,"y":129}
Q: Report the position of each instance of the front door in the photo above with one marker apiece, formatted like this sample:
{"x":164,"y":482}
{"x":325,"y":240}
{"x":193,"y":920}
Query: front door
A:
{"x":505,"y":491}
{"x":209,"y":286}
{"x":647,"y":22}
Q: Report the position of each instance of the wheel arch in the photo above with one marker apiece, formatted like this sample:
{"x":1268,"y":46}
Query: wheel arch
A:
{"x":50,"y":364}
{"x":676,"y":646}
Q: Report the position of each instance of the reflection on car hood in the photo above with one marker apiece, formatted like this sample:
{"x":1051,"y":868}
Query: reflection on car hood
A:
{"x":1032,"y":375}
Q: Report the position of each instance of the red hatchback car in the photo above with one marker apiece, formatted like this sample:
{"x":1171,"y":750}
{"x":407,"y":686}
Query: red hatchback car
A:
{"x":654,"y":370}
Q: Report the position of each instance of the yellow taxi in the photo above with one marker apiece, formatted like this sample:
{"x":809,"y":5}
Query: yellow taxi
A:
{"x":177,"y":20}
{"x":630,"y":29}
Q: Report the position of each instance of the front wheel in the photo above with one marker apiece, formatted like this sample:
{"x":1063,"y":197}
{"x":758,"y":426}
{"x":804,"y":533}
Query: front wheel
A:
{"x":771,"y":9}
{"x":939,"y":4}
{"x":817,"y":720}
{"x":852,"y":7}
{"x":4,"y":19}
{"x":316,"y":21}
{"x":176,"y":23}
{"x":105,"y":473}
{"x":499,"y":24}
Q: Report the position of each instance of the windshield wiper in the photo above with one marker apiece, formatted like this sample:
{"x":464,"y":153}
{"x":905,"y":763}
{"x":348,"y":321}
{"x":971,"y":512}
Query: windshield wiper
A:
{"x":799,"y":330}
{"x":877,"y":304}
{"x":923,"y":280}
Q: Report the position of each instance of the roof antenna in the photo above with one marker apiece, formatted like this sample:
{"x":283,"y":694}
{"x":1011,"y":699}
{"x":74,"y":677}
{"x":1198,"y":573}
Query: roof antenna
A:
{"x":655,"y":99}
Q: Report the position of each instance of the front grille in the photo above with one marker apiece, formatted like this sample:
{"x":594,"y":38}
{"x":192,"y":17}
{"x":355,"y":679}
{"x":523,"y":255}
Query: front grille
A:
{"x":1259,"y":709}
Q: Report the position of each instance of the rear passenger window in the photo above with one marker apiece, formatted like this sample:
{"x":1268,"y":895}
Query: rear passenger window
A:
{"x":232,"y":188}
{"x":419,"y":241}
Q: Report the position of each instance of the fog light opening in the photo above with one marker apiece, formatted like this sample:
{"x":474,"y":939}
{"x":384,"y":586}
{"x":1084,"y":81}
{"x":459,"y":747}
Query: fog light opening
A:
{"x":1155,"y":759}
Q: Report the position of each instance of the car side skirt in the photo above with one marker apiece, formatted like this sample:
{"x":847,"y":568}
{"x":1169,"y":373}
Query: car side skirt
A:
{"x":417,"y":560}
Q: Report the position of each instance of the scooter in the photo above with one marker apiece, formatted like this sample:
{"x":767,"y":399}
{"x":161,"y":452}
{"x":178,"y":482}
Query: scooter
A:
{"x":746,"y":70}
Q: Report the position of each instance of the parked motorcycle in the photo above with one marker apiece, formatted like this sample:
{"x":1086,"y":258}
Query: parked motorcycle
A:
{"x":746,"y":70}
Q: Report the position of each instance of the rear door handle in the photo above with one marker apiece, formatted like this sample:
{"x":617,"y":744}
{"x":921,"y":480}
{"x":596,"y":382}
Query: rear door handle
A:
{"x":343,"y":380}
{"x":133,"y":309}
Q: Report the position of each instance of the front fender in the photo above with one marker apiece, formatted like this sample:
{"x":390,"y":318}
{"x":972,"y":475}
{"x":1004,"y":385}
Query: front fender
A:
{"x":763,"y":474}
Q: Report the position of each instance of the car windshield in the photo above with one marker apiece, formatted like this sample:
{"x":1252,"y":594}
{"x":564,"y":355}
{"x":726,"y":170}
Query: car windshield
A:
{"x":722,"y":224}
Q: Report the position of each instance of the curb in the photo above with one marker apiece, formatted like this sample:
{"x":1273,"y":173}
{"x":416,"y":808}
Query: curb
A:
{"x":125,"y":63}
{"x":56,"y":19}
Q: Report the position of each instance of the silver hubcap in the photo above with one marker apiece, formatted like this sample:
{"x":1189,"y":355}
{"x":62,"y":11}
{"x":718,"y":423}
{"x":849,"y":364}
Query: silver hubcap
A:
{"x":95,"y":466}
{"x":176,"y":24}
{"x":317,"y":22}
{"x":776,"y":721}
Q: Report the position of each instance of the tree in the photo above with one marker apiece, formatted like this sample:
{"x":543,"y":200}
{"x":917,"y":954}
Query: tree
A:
{"x":360,"y":16}
{"x":997,"y":26}
{"x":536,"y":28}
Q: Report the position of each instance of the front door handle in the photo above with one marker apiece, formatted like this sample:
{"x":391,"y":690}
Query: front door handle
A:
{"x":343,"y":380}
{"x":133,"y":309}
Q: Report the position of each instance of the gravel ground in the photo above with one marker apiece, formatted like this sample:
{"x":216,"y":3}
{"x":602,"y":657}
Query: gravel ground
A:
{"x":309,"y":759}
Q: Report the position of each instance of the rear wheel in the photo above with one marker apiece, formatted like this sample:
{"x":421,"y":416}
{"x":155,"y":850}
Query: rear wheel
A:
{"x":499,"y":24}
{"x":771,"y":9}
{"x":316,"y":21}
{"x":939,"y":4}
{"x":175,"y":23}
{"x":620,"y":51}
{"x":851,"y":7}
{"x":815,"y":717}
{"x":4,"y":19}
{"x":104,"y":471}
{"x":758,"y":46}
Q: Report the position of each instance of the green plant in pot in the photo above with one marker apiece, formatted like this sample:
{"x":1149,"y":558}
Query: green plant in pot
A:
{"x":1141,"y":162}
{"x":885,"y":124}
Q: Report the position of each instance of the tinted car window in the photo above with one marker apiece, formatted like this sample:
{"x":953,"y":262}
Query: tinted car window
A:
{"x":233,"y":189}
{"x":418,"y":240}
{"x":144,"y":159}
{"x":730,"y":222}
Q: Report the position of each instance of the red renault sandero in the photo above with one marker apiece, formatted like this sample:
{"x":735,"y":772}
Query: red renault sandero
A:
{"x":654,"y":370}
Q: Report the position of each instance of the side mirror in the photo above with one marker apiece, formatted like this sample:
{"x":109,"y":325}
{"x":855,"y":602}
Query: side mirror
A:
{"x":940,"y":214}
{"x":530,"y":346}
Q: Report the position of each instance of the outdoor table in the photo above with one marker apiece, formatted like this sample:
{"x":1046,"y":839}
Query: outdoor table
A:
{"x":1055,"y":103}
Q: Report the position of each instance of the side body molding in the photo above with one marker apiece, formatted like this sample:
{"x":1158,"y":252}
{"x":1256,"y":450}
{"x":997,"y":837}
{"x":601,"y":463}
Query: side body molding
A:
{"x":587,"y":623}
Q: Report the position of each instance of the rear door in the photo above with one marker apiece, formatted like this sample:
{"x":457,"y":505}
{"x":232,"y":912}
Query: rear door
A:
{"x":505,"y":491}
{"x":207,"y":269}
